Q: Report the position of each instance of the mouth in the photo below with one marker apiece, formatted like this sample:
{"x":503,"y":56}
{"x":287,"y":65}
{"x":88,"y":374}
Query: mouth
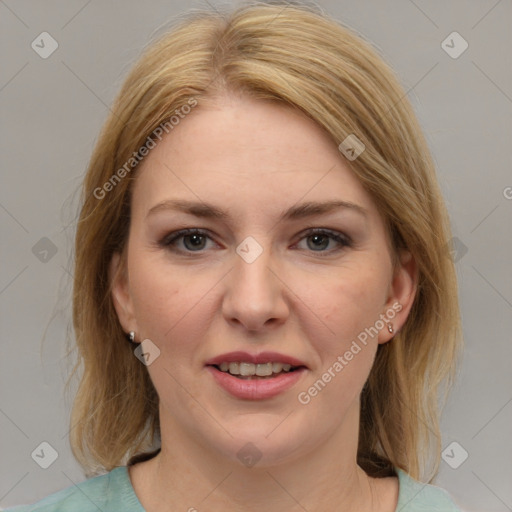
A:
{"x":255,"y":376}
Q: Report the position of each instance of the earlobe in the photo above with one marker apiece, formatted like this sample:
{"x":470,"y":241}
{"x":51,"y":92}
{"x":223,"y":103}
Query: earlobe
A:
{"x":120,"y":293}
{"x":403,"y":290}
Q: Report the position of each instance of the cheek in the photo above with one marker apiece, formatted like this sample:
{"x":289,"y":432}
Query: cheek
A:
{"x":170,"y":304}
{"x":338,"y":317}
{"x":344,"y":304}
{"x":345,"y":345}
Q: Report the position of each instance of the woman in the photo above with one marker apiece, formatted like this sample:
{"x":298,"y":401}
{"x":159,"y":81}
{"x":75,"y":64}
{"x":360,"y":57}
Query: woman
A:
{"x":263,"y":303}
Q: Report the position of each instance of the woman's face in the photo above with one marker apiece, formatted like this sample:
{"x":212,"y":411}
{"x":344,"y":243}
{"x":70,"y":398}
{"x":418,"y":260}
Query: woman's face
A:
{"x":268,"y":272}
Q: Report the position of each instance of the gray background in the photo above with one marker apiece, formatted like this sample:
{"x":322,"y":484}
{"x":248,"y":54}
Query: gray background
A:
{"x":52,"y":110}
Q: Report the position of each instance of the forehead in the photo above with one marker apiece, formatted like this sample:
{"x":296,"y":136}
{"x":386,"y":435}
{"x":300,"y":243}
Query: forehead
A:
{"x":247,"y":154}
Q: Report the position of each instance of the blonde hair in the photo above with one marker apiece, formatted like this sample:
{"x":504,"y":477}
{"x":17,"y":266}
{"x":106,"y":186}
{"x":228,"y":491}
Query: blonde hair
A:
{"x":296,"y":55}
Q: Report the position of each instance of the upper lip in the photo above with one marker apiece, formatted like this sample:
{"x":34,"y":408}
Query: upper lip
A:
{"x":262,"y":357}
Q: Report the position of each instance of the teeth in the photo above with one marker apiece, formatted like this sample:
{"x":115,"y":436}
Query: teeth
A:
{"x":249,"y":369}
{"x":277,"y":367}
{"x":246,"y":369}
{"x":264,"y":370}
{"x":234,"y":368}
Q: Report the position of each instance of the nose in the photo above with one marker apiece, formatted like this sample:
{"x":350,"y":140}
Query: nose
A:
{"x":255,"y":294}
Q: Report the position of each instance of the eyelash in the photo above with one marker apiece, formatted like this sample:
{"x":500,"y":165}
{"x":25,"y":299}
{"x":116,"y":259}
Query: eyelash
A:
{"x":169,"y":240}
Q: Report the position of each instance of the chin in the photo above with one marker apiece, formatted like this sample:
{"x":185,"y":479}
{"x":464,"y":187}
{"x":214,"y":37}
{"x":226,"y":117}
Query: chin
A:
{"x":264,"y":442}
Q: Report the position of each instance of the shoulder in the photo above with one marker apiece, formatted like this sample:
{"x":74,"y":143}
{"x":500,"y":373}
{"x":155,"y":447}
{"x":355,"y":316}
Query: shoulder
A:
{"x":106,"y":492}
{"x":414,"y":496}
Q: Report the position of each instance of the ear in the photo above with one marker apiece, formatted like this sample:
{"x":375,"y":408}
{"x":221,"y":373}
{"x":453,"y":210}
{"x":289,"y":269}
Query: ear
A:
{"x":402,"y":292}
{"x":121,"y":293}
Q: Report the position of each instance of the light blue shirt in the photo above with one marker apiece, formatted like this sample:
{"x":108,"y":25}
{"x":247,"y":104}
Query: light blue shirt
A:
{"x":113,"y":492}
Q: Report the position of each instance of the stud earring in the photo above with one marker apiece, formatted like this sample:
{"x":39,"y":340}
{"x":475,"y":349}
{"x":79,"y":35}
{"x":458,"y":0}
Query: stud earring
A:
{"x":131,"y":336}
{"x":390,"y":328}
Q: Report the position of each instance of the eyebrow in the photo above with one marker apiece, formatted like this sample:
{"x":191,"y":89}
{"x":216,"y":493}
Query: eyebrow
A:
{"x":301,"y":211}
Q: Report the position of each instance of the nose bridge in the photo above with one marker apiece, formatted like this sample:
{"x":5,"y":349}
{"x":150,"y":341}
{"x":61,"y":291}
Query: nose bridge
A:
{"x":252,"y":266}
{"x":254,"y":295}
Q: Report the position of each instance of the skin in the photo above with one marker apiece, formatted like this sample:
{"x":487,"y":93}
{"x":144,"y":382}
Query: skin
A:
{"x":302,"y":296}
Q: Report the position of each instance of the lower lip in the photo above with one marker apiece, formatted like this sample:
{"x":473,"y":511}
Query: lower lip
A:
{"x":255,"y":389}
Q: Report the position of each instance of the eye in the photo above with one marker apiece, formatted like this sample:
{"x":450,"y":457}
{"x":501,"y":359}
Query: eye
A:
{"x":194,"y":240}
{"x":318,"y":240}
